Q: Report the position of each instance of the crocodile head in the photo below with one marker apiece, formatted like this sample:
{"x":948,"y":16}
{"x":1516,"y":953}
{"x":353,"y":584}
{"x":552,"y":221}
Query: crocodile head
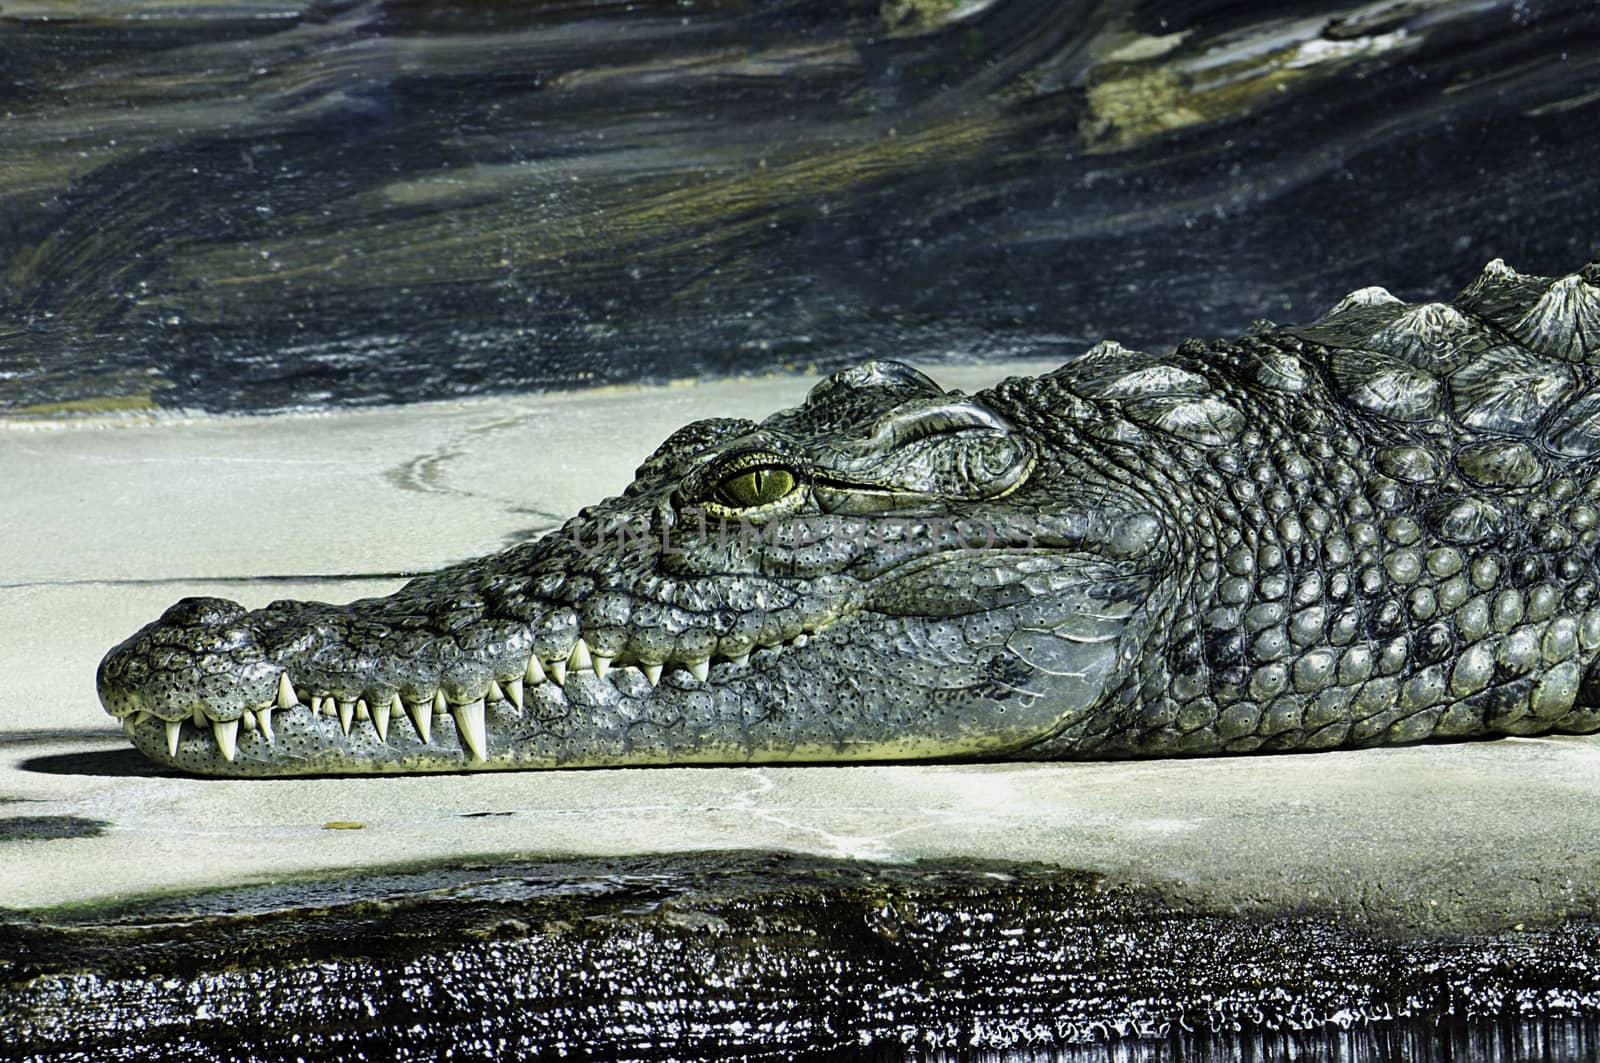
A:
{"x":887,"y":571}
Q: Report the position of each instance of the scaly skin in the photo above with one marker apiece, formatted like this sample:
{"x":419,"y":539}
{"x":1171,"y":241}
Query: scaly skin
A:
{"x":1377,"y":528}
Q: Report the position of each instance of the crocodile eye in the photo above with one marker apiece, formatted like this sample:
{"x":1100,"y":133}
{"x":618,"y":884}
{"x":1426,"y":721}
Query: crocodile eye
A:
{"x":750,"y":488}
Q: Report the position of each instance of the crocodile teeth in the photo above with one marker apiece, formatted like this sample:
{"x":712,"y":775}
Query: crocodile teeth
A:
{"x":380,"y":718}
{"x":559,"y":670}
{"x":651,"y":672}
{"x":249,"y":720}
{"x":173,"y":727}
{"x":421,"y":713}
{"x":701,"y":669}
{"x":227,"y":737}
{"x":580,"y":657}
{"x":513,"y":689}
{"x":741,"y":660}
{"x":286,"y":696}
{"x":264,"y":721}
{"x":535,"y":670}
{"x":602,"y":664}
{"x":316,"y":705}
{"x":801,"y":639}
{"x":362,"y":712}
{"x":495,"y":693}
{"x":347,"y":714}
{"x":469,"y":725}
{"x":198,"y":715}
{"x":440,"y":707}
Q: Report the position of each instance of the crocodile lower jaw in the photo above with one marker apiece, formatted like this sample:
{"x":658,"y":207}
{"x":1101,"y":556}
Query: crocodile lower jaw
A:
{"x":505,"y":694}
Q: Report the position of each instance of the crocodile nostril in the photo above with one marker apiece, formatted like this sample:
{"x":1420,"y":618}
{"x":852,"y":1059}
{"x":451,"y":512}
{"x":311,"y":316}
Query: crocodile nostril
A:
{"x":206,"y":612}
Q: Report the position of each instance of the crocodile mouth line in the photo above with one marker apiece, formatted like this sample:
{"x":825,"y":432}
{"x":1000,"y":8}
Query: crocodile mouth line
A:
{"x":507,"y":692}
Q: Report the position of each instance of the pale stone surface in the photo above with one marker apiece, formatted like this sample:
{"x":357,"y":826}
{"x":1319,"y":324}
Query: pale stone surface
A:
{"x":104,"y":526}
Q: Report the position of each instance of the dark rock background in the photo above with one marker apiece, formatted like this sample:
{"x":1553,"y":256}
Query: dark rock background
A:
{"x":258,"y":205}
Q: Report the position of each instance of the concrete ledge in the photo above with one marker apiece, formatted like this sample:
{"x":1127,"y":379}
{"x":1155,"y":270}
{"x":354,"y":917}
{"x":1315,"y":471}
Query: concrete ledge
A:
{"x":117,"y":521}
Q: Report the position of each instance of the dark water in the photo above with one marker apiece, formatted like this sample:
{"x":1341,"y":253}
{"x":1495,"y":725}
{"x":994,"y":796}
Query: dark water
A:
{"x":767,"y":956}
{"x":250,"y":206}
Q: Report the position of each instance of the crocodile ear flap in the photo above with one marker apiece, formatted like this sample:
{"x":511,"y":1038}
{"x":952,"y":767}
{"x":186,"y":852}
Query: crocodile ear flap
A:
{"x":950,"y":446}
{"x":892,"y":376}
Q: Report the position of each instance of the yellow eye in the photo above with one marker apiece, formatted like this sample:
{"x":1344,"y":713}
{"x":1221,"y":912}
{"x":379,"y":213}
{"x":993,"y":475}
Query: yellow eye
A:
{"x":750,"y":488}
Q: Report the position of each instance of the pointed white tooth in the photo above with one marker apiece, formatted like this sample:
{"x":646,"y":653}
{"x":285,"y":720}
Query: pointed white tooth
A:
{"x":285,"y":691}
{"x":651,"y":672}
{"x":801,"y":639}
{"x":173,"y":727}
{"x":347,"y":714}
{"x":469,"y":725}
{"x":421,"y":713}
{"x":380,"y":718}
{"x":362,"y":712}
{"x":579,"y":661}
{"x":440,"y":706}
{"x":495,"y":693}
{"x":140,"y":717}
{"x":514,"y":692}
{"x":701,"y":669}
{"x":198,"y":715}
{"x":127,"y":726}
{"x":227,"y":737}
{"x":316,"y":705}
{"x":264,"y":720}
{"x":741,"y":660}
{"x":535,"y":670}
{"x":602,"y":664}
{"x":558,"y":669}
{"x":249,"y":720}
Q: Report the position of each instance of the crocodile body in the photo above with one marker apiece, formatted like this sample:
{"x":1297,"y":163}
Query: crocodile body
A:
{"x":1377,"y":528}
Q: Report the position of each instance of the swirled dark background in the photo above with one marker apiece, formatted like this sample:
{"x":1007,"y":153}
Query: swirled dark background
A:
{"x":250,"y":205}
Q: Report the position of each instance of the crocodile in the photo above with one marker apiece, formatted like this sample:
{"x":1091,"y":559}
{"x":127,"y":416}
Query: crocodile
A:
{"x":1376,"y":528}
